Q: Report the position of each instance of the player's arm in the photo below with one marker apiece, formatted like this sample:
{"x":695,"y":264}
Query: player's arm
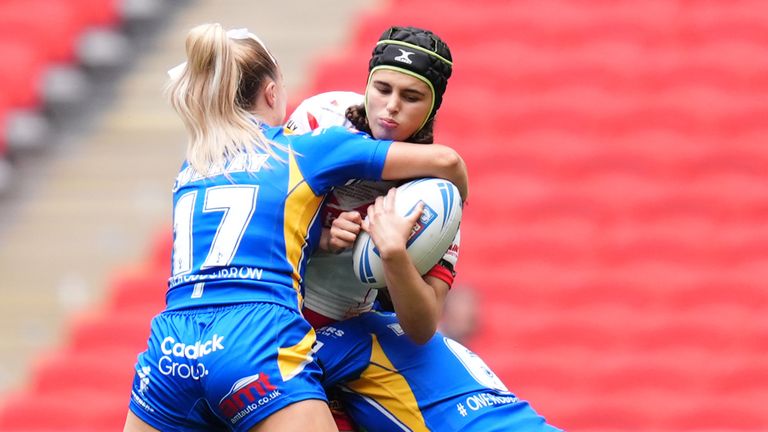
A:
{"x":418,"y":301}
{"x":331,"y":157}
{"x":405,"y":160}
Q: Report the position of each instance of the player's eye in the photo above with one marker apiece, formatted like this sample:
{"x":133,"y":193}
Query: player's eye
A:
{"x":383,"y":88}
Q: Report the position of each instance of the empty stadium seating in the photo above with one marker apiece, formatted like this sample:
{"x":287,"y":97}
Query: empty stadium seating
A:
{"x":81,"y":385}
{"x":55,"y":36}
{"x":22,"y":74}
{"x":614,"y":225}
{"x":41,"y":56}
{"x":84,"y":385}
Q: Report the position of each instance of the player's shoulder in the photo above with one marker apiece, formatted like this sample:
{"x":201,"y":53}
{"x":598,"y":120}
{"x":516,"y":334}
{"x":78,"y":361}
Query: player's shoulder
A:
{"x":334,"y":99}
{"x":323,"y":110}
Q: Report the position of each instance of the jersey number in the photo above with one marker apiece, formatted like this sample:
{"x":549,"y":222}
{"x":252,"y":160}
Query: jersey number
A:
{"x":475,"y":366}
{"x":238,"y":204}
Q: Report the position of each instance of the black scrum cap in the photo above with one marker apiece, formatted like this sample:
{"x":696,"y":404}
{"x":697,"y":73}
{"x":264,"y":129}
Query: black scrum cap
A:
{"x":416,"y":52}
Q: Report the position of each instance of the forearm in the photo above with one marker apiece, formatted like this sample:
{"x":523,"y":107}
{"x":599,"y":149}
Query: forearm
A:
{"x":451,"y":167}
{"x":435,"y":160}
{"x":461,"y":179}
{"x":415,"y":301}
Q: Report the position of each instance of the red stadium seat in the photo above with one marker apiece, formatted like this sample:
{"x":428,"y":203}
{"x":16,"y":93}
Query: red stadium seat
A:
{"x":139,"y":290}
{"x":114,"y":330}
{"x":162,"y":248}
{"x":53,"y":36}
{"x":98,"y":12}
{"x":22,"y":71}
{"x":542,"y":21}
{"x":82,"y":412}
{"x":341,"y":71}
{"x":68,"y":372}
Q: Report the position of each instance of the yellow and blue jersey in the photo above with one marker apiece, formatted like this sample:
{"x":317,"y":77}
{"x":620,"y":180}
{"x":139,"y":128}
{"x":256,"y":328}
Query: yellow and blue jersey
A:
{"x":385,"y":382}
{"x":243,"y":233}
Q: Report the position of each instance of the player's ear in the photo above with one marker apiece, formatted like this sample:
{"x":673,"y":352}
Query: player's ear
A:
{"x":270,"y":94}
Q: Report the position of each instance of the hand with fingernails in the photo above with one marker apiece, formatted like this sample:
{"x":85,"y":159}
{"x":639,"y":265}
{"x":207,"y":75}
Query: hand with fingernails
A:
{"x":344,"y":231}
{"x":388,"y":230}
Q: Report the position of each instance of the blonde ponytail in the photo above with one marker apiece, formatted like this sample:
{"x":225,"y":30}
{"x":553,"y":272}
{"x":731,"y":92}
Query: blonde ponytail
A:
{"x":209,"y":97}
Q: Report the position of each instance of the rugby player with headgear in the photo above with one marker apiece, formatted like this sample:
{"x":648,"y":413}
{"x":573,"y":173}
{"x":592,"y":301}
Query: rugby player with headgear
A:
{"x":231,"y":350}
{"x":393,"y":371}
{"x":408,"y":75}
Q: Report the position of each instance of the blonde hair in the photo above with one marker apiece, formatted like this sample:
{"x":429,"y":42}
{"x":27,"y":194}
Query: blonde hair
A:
{"x":214,"y":93}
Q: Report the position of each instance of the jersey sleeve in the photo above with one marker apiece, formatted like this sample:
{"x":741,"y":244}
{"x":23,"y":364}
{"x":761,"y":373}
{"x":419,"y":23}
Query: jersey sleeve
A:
{"x":443,"y":272}
{"x":334,"y":156}
{"x":342,"y":351}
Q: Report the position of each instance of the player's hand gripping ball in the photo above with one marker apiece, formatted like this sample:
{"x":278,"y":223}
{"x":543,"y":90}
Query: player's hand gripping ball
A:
{"x":431,"y":236}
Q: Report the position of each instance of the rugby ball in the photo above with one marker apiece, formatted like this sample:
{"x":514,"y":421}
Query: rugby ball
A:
{"x":430,"y":238}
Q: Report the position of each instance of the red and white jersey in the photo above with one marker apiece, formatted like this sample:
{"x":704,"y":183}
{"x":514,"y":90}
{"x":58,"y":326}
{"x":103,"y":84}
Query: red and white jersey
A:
{"x":323,"y":110}
{"x":331,"y":288}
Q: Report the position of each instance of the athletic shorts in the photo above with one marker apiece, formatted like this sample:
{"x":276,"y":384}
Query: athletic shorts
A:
{"x":224,"y":368}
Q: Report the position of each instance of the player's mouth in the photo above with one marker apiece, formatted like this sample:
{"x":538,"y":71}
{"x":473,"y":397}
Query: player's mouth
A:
{"x":388,"y":123}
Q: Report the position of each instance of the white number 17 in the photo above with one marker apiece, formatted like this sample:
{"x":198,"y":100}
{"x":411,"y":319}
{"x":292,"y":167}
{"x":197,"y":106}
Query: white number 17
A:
{"x":238,"y":204}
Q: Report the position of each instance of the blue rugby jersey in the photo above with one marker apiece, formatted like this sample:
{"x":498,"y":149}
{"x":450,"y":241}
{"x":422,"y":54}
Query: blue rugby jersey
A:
{"x":387,"y":383}
{"x":244,"y":233}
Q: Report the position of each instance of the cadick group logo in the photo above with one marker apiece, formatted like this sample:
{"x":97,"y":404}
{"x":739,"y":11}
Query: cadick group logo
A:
{"x":247,"y":395}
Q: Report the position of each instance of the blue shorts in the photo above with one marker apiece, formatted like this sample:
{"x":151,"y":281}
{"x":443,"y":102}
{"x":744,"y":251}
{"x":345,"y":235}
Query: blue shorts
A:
{"x":224,"y":368}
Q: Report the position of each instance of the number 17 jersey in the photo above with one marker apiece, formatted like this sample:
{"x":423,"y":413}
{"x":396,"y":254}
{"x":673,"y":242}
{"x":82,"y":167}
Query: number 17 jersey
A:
{"x":243,"y":232}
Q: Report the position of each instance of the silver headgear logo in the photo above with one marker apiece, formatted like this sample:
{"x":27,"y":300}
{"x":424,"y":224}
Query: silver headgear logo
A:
{"x":404,"y":56}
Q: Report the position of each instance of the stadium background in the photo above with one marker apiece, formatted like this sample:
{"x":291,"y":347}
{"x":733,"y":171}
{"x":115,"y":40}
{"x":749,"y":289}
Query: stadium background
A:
{"x":616,"y":234}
